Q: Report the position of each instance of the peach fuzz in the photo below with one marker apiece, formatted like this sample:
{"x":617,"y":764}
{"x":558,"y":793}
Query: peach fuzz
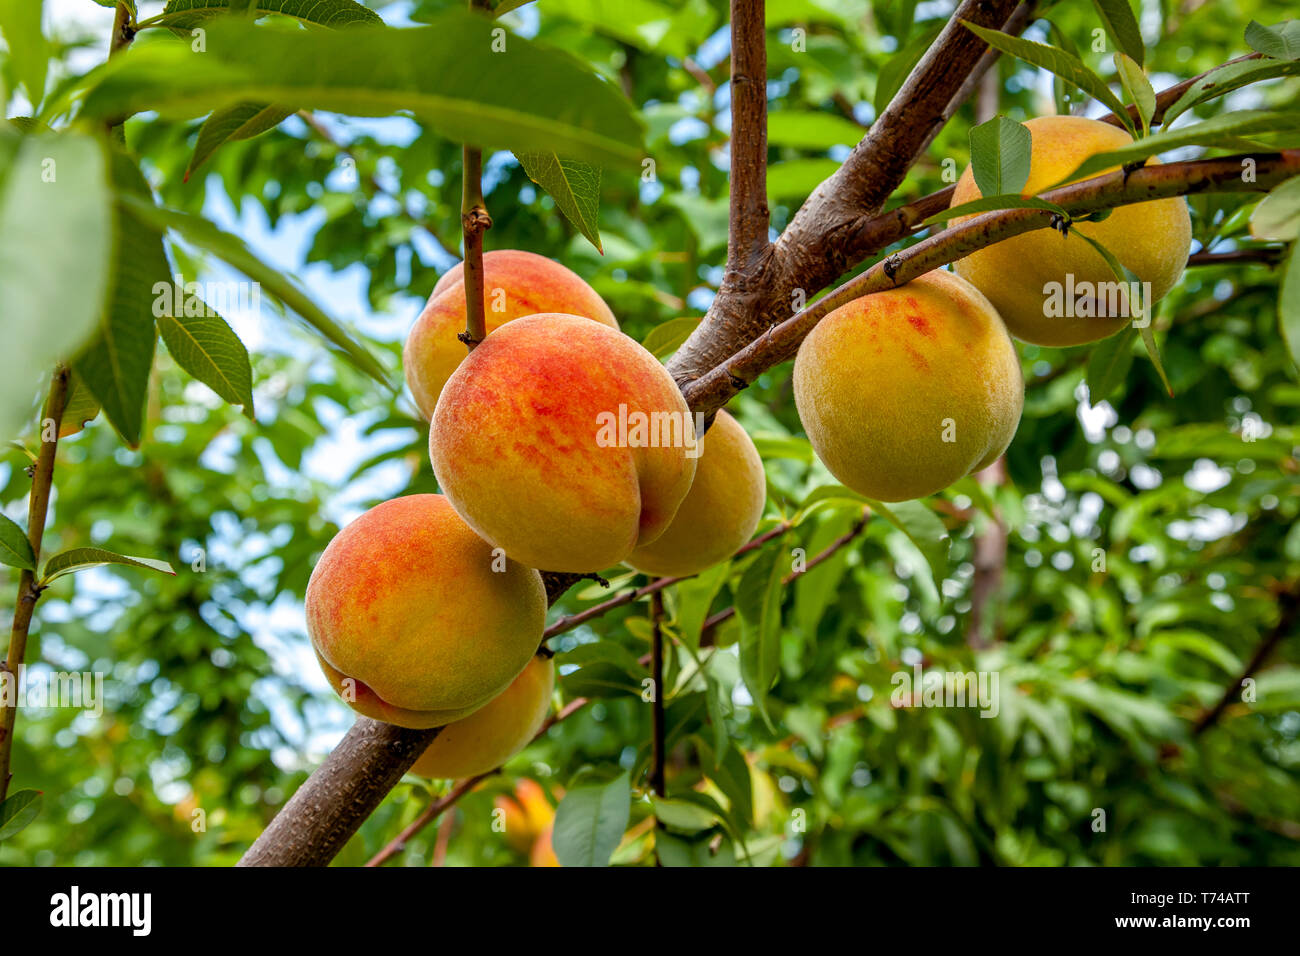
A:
{"x":1151,"y":239}
{"x":720,"y":512}
{"x":521,"y":443}
{"x":411,"y":622}
{"x":496,"y":731}
{"x":515,"y":284}
{"x":905,"y":391}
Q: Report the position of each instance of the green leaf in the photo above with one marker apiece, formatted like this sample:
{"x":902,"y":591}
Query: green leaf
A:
{"x":758,"y":605}
{"x":1109,"y":363}
{"x":59,"y":180}
{"x":1225,"y":79}
{"x":730,"y":771}
{"x":1217,"y":131}
{"x":1288,"y":304}
{"x":994,"y":203}
{"x":1277,"y":216}
{"x":78,"y":559}
{"x":1122,"y":26}
{"x":1137,"y":87}
{"x":15,"y":548}
{"x":116,"y":365}
{"x":20,"y":809}
{"x":455,"y":75}
{"x":1000,"y":152}
{"x":573,"y":184}
{"x":667,"y":337}
{"x":1067,"y":67}
{"x":1065,"y":95}
{"x":29,"y":52}
{"x":694,"y":597}
{"x":184,"y":14}
{"x":207,"y":348}
{"x":923,"y":528}
{"x":812,"y":130}
{"x":232,"y":250}
{"x":682,"y":815}
{"x":80,"y":408}
{"x":1281,"y":42}
{"x":1141,"y":310}
{"x":589,"y":822}
{"x":676,"y":851}
{"x":238,"y":121}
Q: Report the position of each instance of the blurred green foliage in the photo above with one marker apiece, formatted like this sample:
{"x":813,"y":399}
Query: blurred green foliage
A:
{"x":1146,"y":537}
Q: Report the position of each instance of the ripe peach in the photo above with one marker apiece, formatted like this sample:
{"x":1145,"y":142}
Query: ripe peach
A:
{"x":905,"y":391}
{"x":515,"y":283}
{"x":720,"y":512}
{"x":413,"y":618}
{"x":496,"y":731}
{"x":563,"y":442}
{"x":543,"y":852}
{"x":527,"y":812}
{"x":1151,"y":239}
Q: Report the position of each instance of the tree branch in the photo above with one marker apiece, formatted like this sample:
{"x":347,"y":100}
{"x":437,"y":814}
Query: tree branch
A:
{"x":38,"y":505}
{"x":749,"y":215}
{"x":474,"y":220}
{"x":1289,"y":617}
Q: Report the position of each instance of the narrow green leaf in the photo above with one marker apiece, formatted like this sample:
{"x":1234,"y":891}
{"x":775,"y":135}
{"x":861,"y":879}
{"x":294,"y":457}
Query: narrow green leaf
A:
{"x":573,"y":184}
{"x":1281,"y":42}
{"x":758,"y":605}
{"x":78,"y":559}
{"x":667,"y":337}
{"x":15,"y":549}
{"x":1122,"y":26}
{"x":590,"y":821}
{"x":457,"y":75}
{"x":1000,"y":151}
{"x":694,"y":597}
{"x":994,"y":203}
{"x":1062,"y":64}
{"x":232,"y":250}
{"x":1225,"y":79}
{"x":1109,"y":363}
{"x":1137,"y":87}
{"x":116,"y":365}
{"x":185,"y":14}
{"x":923,"y":528}
{"x":682,"y":815}
{"x":1140,"y":310}
{"x":238,"y":121}
{"x":59,"y":180}
{"x":1217,"y":131}
{"x":1277,"y":216}
{"x":207,"y":348}
{"x":80,"y":409}
{"x":1288,"y":304}
{"x":29,"y":52}
{"x":20,"y":809}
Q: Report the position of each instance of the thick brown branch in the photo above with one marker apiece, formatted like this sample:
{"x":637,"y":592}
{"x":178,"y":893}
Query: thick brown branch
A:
{"x":716,"y":387}
{"x":749,"y":215}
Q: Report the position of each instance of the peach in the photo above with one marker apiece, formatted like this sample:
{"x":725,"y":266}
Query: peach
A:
{"x":515,"y":284}
{"x":1151,"y":239}
{"x":563,"y":442}
{"x":720,"y":512}
{"x":496,"y":731}
{"x":415,"y":620}
{"x":526,"y":813}
{"x":905,"y":391}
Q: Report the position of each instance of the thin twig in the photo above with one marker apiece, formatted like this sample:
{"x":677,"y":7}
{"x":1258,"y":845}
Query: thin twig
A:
{"x":29,"y":592}
{"x":1268,"y":255}
{"x":474,"y":220}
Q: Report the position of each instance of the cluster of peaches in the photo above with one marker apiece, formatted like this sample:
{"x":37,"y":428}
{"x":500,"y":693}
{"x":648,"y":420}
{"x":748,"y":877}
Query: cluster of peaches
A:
{"x":427,"y":611}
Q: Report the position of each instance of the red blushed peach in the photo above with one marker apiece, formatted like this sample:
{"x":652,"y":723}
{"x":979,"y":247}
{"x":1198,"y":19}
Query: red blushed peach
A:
{"x":563,"y":442}
{"x":496,"y":731}
{"x":515,"y":284}
{"x":414,"y":618}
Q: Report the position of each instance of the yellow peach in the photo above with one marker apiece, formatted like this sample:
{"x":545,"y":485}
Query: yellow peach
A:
{"x":564,"y":443}
{"x":720,"y":512}
{"x":415,"y":620}
{"x":496,"y":731}
{"x":905,"y":391}
{"x":515,"y":284}
{"x":1025,"y":277}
